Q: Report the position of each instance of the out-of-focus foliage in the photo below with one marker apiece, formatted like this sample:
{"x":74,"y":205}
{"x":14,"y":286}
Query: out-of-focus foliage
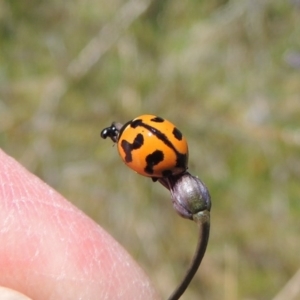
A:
{"x":227,"y":73}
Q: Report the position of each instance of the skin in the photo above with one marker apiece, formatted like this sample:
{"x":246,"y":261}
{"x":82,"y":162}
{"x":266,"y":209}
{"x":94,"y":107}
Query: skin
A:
{"x":50,"y":250}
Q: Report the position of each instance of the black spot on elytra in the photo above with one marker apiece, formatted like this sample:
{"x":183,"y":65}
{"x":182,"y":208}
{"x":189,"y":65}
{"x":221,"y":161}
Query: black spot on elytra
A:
{"x":136,"y":123}
{"x":128,"y":147}
{"x":152,"y":160}
{"x":181,"y":160}
{"x":157,"y":120}
{"x":177,"y":134}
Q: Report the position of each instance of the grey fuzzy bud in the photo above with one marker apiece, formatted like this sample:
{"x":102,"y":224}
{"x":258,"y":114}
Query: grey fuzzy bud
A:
{"x":189,"y":195}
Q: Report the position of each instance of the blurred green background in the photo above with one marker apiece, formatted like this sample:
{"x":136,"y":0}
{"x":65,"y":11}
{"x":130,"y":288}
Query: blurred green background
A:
{"x":227,"y":73}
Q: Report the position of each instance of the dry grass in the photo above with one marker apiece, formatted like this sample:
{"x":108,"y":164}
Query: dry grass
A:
{"x":226,"y":72}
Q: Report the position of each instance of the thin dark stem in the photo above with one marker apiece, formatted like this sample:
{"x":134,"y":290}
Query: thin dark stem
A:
{"x":203,"y":220}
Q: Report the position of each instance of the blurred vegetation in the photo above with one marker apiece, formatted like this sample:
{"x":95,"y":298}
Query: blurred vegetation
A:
{"x":227,"y":73}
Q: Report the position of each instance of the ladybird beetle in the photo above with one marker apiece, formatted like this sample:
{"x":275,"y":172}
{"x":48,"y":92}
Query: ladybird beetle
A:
{"x":150,"y":145}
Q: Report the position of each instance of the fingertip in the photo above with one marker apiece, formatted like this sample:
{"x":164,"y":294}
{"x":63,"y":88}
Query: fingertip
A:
{"x":52,"y":250}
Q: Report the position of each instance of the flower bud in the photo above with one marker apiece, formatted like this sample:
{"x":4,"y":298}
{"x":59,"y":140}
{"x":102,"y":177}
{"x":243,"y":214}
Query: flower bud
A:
{"x":189,"y":195}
